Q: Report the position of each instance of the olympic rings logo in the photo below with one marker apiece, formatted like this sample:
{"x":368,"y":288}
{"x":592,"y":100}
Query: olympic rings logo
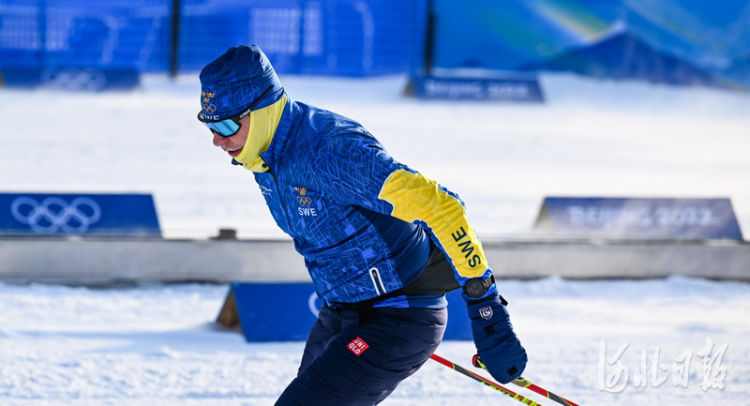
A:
{"x":312,"y":304}
{"x":74,"y":79}
{"x":54,"y":214}
{"x":304,"y":200}
{"x":209,"y":108}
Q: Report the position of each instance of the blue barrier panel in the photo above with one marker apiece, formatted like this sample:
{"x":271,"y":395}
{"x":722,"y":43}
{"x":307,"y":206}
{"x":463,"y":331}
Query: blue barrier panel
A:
{"x":638,"y":218}
{"x":287,"y":311}
{"x":459,"y":326}
{"x":71,"y":78}
{"x":79,"y":214}
{"x":276,"y":311}
{"x":464,"y":88}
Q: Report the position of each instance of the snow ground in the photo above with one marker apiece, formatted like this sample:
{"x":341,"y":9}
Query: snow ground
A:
{"x":156,"y":345}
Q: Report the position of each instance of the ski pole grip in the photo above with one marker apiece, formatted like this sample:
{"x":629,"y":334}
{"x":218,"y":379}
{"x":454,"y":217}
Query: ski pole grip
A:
{"x":477,"y":362}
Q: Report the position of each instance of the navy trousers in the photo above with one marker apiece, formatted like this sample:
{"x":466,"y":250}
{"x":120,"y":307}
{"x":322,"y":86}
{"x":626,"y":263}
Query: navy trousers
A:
{"x":354,"y":360}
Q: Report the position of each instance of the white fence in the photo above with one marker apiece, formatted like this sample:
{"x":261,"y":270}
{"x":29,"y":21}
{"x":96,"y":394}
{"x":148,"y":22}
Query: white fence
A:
{"x":107,"y":261}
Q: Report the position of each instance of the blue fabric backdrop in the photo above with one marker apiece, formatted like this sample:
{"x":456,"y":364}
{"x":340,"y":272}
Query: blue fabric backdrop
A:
{"x":671,"y":41}
{"x":336,"y":37}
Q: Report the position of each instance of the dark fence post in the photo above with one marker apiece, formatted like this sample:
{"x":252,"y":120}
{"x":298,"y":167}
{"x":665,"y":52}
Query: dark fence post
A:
{"x":429,"y":40}
{"x":175,"y":40}
{"x":42,"y":27}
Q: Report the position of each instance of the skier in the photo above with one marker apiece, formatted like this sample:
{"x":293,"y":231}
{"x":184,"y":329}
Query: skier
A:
{"x":382,"y":242}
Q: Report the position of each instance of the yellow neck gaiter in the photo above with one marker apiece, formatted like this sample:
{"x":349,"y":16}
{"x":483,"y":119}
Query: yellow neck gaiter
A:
{"x":263,"y":124}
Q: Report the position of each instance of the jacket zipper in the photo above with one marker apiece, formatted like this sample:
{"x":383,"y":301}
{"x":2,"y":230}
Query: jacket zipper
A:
{"x":377,"y":282}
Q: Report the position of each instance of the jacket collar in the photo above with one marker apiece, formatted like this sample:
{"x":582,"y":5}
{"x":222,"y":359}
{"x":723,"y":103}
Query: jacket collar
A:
{"x":290,"y":120}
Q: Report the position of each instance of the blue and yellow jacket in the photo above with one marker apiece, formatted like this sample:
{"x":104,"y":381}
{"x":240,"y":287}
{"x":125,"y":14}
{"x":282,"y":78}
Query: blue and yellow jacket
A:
{"x":362,"y":221}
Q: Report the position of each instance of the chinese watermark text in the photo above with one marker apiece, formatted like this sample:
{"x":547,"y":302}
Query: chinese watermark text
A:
{"x":614,"y":376}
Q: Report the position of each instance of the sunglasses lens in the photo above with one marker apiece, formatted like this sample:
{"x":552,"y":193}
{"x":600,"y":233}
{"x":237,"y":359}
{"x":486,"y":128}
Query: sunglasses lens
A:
{"x":225,"y":128}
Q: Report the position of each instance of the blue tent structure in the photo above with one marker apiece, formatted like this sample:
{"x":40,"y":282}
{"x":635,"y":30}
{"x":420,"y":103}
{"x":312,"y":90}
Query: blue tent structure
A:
{"x":689,"y":42}
{"x":625,"y":56}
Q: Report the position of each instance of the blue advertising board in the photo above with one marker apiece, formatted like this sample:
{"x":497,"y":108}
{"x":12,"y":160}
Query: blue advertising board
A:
{"x":71,"y":77}
{"x":679,"y":218}
{"x":287,"y":311}
{"x":519,"y":88}
{"x":78,"y":214}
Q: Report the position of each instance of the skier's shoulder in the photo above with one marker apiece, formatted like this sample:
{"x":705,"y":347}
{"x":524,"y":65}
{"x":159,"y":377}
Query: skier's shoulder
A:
{"x":323,"y":122}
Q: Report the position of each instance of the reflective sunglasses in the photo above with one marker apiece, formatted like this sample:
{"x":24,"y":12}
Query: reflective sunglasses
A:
{"x":229,"y":126}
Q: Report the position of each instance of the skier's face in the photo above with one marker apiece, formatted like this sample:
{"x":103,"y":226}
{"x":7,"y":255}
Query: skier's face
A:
{"x":233,"y":145}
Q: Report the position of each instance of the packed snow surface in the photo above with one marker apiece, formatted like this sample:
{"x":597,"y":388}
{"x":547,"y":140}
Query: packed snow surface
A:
{"x":157,"y":345}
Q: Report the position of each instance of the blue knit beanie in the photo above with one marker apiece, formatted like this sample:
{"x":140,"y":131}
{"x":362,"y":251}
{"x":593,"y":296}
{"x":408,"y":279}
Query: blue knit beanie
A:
{"x":231,"y":82}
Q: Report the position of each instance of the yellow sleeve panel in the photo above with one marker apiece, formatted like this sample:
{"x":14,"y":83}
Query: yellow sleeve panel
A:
{"x":414,"y":197}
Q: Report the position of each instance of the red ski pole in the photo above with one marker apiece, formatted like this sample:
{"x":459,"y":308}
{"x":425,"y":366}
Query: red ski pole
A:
{"x":525,"y":383}
{"x":491,"y":384}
